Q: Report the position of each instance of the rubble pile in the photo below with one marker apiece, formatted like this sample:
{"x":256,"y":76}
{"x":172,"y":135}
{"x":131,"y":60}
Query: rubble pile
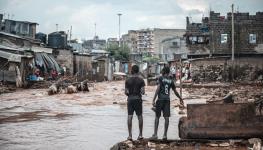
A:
{"x":209,"y":74}
{"x":7,"y":88}
{"x":68,"y":86}
{"x":240,"y":93}
{"x":221,"y":73}
{"x":40,"y":84}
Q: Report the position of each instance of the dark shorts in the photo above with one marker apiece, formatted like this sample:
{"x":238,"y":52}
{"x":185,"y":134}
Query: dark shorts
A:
{"x":134,"y":105}
{"x":163,"y":106}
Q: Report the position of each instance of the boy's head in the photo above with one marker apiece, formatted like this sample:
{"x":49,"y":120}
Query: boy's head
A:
{"x":135,"y":69}
{"x":166,"y":70}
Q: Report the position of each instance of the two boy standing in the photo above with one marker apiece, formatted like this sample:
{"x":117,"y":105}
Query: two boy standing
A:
{"x":135,"y":88}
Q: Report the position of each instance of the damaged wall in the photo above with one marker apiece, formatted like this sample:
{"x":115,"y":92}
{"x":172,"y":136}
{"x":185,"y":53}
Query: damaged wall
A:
{"x":245,"y":25}
{"x":82,"y":65}
{"x":213,"y":35}
{"x":220,"y":69}
{"x":64,"y":57}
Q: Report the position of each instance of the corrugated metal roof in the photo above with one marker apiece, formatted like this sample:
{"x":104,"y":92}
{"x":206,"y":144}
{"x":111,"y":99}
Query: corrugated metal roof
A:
{"x":10,"y":56}
{"x":95,"y":51}
{"x":41,"y":49}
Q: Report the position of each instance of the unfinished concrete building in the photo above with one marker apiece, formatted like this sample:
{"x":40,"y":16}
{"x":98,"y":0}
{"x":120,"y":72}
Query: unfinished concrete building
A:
{"x":168,"y":42}
{"x":130,"y":40}
{"x":213,"y":34}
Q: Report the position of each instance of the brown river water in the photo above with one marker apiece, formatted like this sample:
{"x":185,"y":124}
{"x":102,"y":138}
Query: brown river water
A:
{"x":30,"y":119}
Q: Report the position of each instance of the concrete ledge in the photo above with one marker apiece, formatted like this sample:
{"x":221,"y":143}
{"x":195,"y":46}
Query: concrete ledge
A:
{"x":221,"y":121}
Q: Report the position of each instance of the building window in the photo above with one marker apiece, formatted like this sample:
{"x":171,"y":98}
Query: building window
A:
{"x":175,"y":44}
{"x":223,"y":38}
{"x":200,"y":39}
{"x":193,"y":39}
{"x":252,"y":38}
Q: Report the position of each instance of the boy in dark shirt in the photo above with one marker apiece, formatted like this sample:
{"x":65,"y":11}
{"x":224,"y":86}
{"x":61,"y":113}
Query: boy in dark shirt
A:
{"x":134,"y":88}
{"x":165,"y":83}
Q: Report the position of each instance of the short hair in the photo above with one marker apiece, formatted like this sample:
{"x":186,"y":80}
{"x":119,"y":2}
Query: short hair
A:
{"x":135,"y":69}
{"x":166,"y":70}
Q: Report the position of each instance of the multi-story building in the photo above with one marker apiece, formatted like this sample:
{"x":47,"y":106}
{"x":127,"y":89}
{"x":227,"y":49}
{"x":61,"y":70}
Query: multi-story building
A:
{"x":130,"y":40}
{"x":161,"y":42}
{"x":214,"y":34}
{"x":145,"y":41}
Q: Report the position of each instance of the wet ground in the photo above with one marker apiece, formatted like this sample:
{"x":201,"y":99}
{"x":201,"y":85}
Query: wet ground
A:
{"x":30,"y":119}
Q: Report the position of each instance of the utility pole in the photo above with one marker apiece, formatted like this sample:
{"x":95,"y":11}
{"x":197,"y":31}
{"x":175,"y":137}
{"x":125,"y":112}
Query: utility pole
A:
{"x":181,"y":65}
{"x":233,"y":34}
{"x":119,"y":29}
{"x":233,"y":46}
{"x":95,"y":30}
{"x":70,"y":33}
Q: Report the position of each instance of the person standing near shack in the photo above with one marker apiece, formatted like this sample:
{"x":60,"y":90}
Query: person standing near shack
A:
{"x":165,"y":83}
{"x":134,"y":89}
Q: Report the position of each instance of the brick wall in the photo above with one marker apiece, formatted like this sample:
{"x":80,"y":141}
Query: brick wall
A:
{"x":244,"y":24}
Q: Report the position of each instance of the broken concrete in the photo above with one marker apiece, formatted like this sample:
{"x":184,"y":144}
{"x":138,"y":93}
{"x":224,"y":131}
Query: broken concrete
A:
{"x":182,"y":145}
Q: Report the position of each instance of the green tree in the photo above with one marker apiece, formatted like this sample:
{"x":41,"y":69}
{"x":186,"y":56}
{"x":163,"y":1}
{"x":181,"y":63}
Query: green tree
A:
{"x":119,"y":53}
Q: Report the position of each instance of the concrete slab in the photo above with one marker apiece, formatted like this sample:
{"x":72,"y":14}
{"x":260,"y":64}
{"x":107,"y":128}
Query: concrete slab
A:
{"x":221,"y":121}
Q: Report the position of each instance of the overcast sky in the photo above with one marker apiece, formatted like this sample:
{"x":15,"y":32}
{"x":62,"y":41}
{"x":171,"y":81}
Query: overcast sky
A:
{"x":137,"y":14}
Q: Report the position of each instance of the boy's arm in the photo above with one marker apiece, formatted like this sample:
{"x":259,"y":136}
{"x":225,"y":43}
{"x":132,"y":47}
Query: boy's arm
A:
{"x":178,"y":95}
{"x":156,"y":93}
{"x":143,"y":88}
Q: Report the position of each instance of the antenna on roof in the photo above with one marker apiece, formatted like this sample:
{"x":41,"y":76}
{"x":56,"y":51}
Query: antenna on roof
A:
{"x":56,"y":27}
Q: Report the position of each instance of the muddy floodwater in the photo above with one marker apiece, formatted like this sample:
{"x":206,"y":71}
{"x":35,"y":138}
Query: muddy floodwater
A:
{"x":30,"y":119}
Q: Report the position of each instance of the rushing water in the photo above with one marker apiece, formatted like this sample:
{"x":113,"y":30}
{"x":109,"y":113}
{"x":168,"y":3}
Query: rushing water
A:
{"x":37,"y":121}
{"x":96,"y":127}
